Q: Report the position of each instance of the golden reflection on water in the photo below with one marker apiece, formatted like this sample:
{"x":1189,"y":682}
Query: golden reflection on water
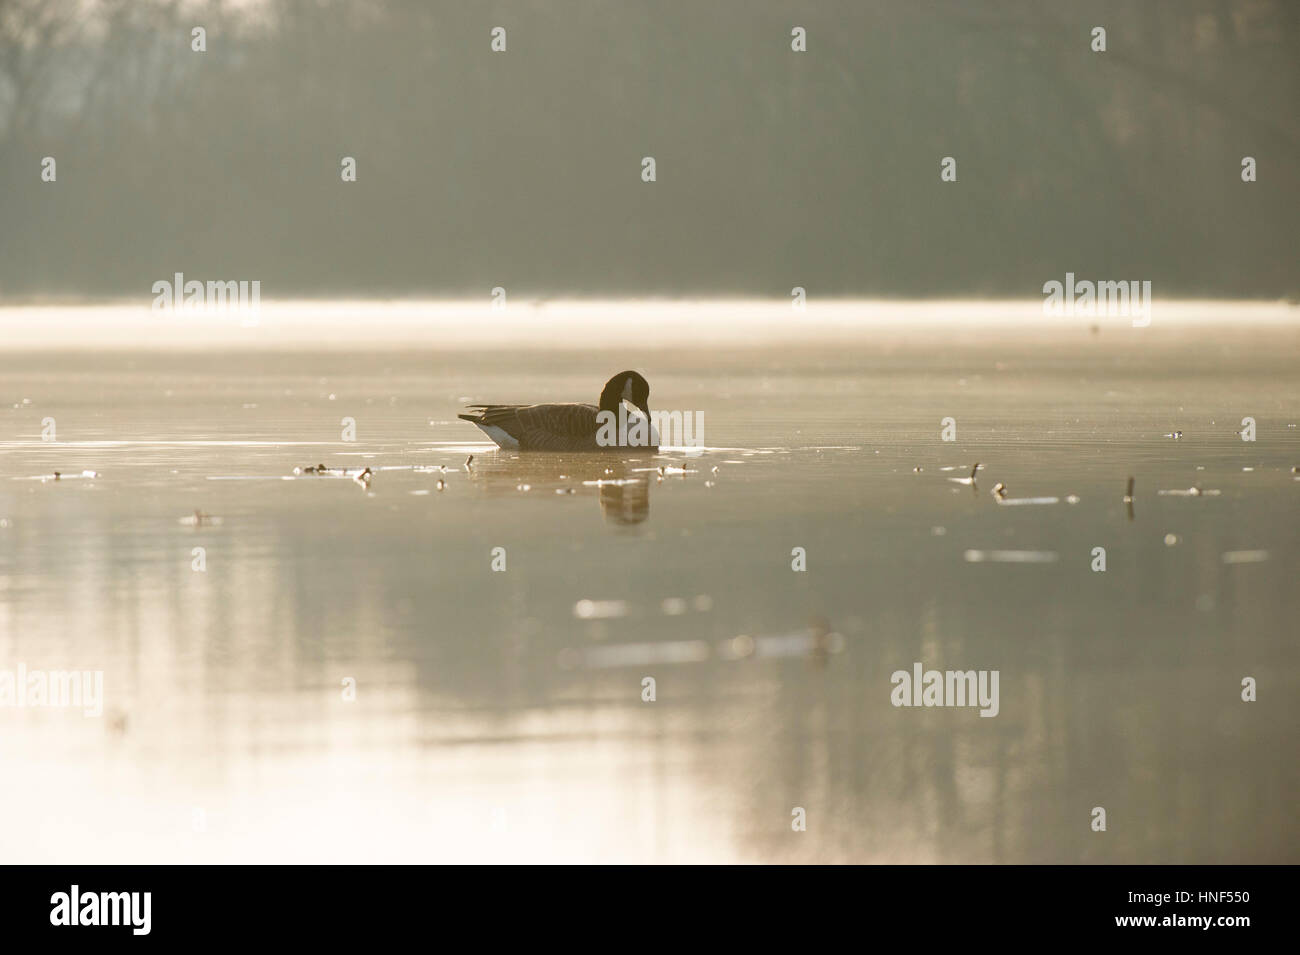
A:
{"x":499,"y":715}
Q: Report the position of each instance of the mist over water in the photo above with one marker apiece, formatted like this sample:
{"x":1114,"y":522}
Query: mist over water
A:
{"x":522,"y":167}
{"x":498,"y":715}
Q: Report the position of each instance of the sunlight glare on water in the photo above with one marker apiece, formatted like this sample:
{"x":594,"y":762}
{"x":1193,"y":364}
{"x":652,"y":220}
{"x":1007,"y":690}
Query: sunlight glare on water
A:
{"x":499,"y":715}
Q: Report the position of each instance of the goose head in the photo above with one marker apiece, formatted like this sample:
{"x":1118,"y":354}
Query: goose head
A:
{"x":626,"y":386}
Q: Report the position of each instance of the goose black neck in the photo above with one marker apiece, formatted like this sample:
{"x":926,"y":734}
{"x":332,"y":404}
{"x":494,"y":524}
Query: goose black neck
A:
{"x":611,"y":397}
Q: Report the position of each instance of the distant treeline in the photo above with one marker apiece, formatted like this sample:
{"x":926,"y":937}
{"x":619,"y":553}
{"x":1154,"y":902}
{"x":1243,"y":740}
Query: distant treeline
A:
{"x":773,"y":168}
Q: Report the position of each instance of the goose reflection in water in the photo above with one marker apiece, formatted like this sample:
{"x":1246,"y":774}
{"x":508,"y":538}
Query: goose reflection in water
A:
{"x":627,"y":502}
{"x":621,"y":486}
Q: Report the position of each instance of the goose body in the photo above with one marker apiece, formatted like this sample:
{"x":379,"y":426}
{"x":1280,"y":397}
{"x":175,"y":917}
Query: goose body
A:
{"x":569,"y":426}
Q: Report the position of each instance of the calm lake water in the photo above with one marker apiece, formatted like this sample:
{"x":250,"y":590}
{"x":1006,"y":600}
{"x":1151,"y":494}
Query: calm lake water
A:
{"x":498,"y":715}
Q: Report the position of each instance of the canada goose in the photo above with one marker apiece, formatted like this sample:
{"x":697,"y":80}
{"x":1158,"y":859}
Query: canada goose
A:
{"x":573,"y":426}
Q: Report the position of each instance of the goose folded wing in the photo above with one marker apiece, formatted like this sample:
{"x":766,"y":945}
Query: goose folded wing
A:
{"x":558,"y":427}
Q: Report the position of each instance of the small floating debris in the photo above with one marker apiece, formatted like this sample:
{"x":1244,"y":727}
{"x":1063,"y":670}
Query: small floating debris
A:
{"x":1171,"y":540}
{"x":966,"y":480}
{"x":938,"y":531}
{"x":599,"y":609}
{"x":672,"y":606}
{"x":1244,"y":556}
{"x":1011,"y":556}
{"x":635,"y":654}
{"x":814,"y":641}
{"x":199,"y":519}
{"x":60,"y":476}
{"x":523,"y":487}
{"x":1174,"y":434}
{"x":564,"y":490}
{"x":1072,"y":499}
{"x":362,"y":476}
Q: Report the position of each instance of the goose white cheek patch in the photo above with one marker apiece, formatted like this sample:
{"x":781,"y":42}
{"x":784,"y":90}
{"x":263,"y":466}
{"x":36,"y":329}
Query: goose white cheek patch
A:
{"x":634,"y":416}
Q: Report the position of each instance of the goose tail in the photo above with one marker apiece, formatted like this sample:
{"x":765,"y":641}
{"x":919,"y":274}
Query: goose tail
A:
{"x":501,"y":437}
